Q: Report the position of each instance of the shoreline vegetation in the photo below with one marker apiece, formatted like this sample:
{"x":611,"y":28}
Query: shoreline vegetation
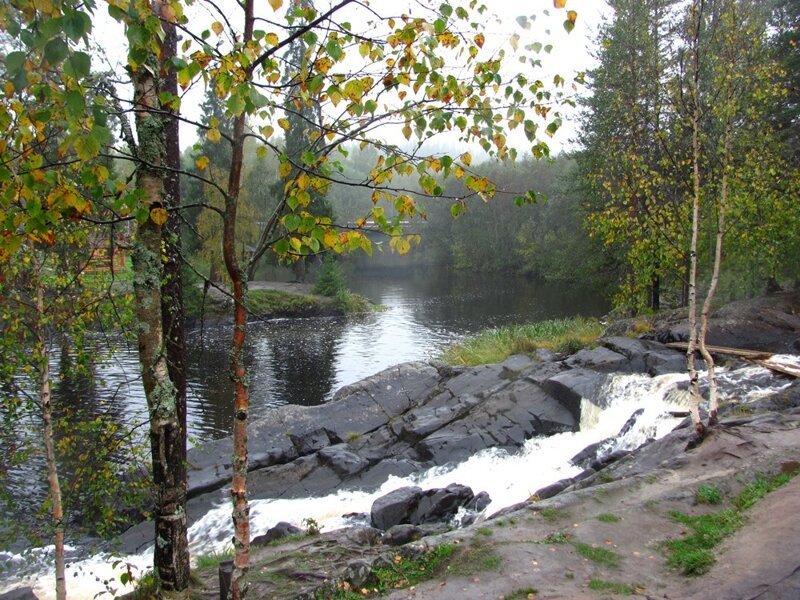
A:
{"x":495,"y":345}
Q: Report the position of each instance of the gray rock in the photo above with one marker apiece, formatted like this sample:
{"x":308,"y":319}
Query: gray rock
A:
{"x":310,"y":441}
{"x":360,"y":535}
{"x":395,"y":507}
{"x":441,"y":504}
{"x":342,"y":461}
{"x":599,"y":359}
{"x":358,"y":573}
{"x":647,"y":356}
{"x":281,"y":530}
{"x":22,"y":593}
{"x":571,"y":386}
{"x":397,"y":535}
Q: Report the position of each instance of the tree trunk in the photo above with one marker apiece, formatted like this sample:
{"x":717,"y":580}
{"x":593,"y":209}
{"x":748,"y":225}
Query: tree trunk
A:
{"x":721,"y":210}
{"x":172,"y":288}
{"x":171,"y":557}
{"x":45,"y":397}
{"x":241,"y":508}
{"x":694,"y":383}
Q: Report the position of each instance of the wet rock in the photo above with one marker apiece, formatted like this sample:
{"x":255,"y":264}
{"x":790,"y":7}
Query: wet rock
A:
{"x":310,"y":441}
{"x":413,"y":506}
{"x":479,"y":502}
{"x":395,"y":507}
{"x":545,"y":355}
{"x":441,"y":504}
{"x":647,"y":356}
{"x":571,"y":386}
{"x":342,"y":461}
{"x":598,"y":359}
{"x":280,"y":531}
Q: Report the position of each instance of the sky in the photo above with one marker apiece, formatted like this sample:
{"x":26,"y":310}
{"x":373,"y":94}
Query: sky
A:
{"x":571,"y":52}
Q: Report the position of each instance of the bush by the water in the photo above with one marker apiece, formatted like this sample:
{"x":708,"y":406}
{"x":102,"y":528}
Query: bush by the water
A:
{"x":330,"y":281}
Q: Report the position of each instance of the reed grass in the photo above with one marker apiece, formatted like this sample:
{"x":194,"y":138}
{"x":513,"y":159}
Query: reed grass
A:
{"x":495,"y":345}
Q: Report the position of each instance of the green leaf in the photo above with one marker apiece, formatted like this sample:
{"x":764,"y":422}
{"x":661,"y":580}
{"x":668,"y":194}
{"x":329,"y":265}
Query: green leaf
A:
{"x":569,"y":25}
{"x":235,"y":104}
{"x":75,"y":104}
{"x":282,"y":246}
{"x":78,"y":65}
{"x":291,"y":222}
{"x":77,"y":24}
{"x":15,"y":61}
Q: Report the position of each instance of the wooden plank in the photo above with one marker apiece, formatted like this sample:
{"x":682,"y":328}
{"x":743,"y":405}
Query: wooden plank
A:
{"x":784,"y":368}
{"x":740,"y":352}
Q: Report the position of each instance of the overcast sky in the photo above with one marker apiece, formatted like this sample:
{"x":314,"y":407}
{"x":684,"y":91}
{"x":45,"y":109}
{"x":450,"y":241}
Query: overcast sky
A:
{"x":571,"y":53}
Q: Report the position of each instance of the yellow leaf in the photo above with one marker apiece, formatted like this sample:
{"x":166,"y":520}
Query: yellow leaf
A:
{"x":267,"y":131}
{"x":559,"y":3}
{"x":158,"y":216}
{"x":323,"y":64}
{"x":216,"y":27}
{"x":285,"y":169}
{"x":213,"y":135}
{"x":572,"y":16}
{"x":303,"y":181}
{"x":479,"y":40}
{"x":515,"y":41}
{"x":284,"y":123}
{"x":201,"y":162}
{"x":271,"y":39}
{"x":458,"y":172}
{"x":275,"y":4}
{"x":466,"y":158}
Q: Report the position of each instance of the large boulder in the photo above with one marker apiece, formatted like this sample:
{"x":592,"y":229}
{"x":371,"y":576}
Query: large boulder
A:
{"x":414,"y":506}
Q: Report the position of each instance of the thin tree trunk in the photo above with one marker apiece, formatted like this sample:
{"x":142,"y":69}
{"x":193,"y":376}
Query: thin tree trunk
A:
{"x":694,"y":383}
{"x":171,"y":559}
{"x":241,"y":508}
{"x":712,"y":290}
{"x":45,"y":397}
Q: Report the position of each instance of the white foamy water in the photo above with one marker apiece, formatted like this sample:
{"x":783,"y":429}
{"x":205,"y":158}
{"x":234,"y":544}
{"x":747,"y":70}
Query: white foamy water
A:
{"x":508,"y":478}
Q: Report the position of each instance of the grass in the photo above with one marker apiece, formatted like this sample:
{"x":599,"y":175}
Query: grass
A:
{"x":270,"y":302}
{"x":602,"y":556}
{"x":403,"y":572}
{"x":211,"y":560}
{"x":495,"y":345}
{"x":693,"y":554}
{"x":485,"y":531}
{"x":521,"y":594}
{"x":555,"y":538}
{"x":553,"y":514}
{"x":611,"y":587}
{"x":607,"y":518}
{"x":708,"y":494}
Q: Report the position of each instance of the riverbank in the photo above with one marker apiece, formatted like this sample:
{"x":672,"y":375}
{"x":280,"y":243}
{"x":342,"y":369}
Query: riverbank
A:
{"x":272,"y":300}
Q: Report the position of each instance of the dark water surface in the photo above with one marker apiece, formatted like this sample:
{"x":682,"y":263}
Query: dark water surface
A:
{"x":304,"y":361}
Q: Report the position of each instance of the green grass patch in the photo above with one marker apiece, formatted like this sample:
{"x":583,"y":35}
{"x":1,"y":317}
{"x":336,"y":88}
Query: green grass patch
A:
{"x":553,"y":514}
{"x":611,"y":587}
{"x":521,"y":594}
{"x":473,"y":559}
{"x":607,"y":518}
{"x":555,"y":538}
{"x":485,"y":531}
{"x":211,"y":560}
{"x":602,"y":556}
{"x":495,"y":345}
{"x":708,"y":494}
{"x":403,"y":572}
{"x":276,"y":302}
{"x":693,"y":554}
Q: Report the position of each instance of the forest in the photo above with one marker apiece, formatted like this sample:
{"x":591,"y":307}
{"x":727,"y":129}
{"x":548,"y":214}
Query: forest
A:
{"x":345,"y":130}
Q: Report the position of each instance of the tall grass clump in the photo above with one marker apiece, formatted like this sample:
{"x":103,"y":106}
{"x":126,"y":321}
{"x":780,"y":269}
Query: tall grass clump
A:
{"x":495,"y":345}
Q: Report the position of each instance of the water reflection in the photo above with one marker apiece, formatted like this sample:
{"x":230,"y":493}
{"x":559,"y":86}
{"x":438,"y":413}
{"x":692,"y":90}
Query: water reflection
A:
{"x":304,"y":361}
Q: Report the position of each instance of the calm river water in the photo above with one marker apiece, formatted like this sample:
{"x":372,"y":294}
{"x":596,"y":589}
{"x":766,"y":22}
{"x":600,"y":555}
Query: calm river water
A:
{"x":304,"y":361}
